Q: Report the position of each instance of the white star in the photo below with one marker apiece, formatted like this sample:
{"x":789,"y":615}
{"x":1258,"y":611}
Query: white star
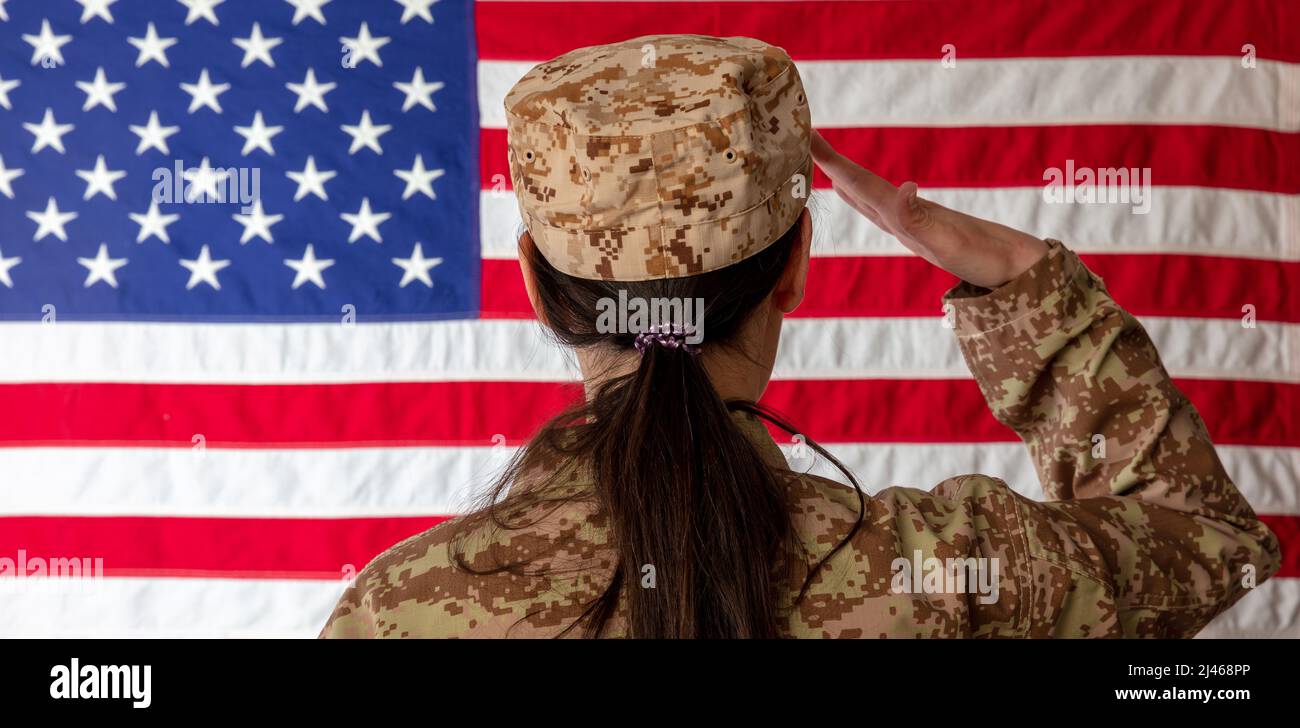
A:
{"x":205,"y":181}
{"x":45,"y":47}
{"x":203,"y":269}
{"x":311,"y":180}
{"x":6,"y":264}
{"x":99,"y":91}
{"x":309,"y":268}
{"x":366,"y":134}
{"x":258,"y":136}
{"x":308,"y":9}
{"x":416,"y":8}
{"x":419,"y":92}
{"x":363,"y":47}
{"x":5,"y":88}
{"x":153,"y":223}
{"x":257,"y":47}
{"x":100,"y":179}
{"x":101,"y":267}
{"x":311,"y":92}
{"x":205,"y":93}
{"x":419,"y":179}
{"x":48,"y":133}
{"x":51,"y":221}
{"x":153,"y":135}
{"x":205,"y":9}
{"x":7,"y":176}
{"x":4,"y":15}
{"x":416,"y":267}
{"x":95,"y":9}
{"x":365,"y":222}
{"x":152,"y":48}
{"x":257,"y":223}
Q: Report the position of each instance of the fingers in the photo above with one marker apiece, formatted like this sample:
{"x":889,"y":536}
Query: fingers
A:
{"x":866,"y":210}
{"x":905,"y":207}
{"x":861,"y":183}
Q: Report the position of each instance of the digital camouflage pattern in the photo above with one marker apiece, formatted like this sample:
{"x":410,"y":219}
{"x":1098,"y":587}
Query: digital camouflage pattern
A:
{"x":661,"y":156}
{"x":1150,"y":538}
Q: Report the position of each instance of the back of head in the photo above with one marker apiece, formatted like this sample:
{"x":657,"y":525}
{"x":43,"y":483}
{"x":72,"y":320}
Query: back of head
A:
{"x":665,"y":174}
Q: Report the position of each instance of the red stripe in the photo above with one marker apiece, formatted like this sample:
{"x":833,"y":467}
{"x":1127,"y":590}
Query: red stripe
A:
{"x":259,"y":548}
{"x":501,"y":291}
{"x":887,"y":286}
{"x":274,"y":548}
{"x":883,"y":29}
{"x":953,"y":410}
{"x":269,"y":416}
{"x":474,"y":413}
{"x":1287,"y":530}
{"x":1016,"y":156}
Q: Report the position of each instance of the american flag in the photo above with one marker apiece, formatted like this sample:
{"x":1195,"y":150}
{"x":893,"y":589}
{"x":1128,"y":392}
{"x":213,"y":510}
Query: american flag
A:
{"x":260,"y":316}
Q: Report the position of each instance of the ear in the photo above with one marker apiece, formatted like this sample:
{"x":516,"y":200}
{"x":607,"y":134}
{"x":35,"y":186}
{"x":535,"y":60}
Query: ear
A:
{"x":789,"y":290}
{"x":526,"y":245}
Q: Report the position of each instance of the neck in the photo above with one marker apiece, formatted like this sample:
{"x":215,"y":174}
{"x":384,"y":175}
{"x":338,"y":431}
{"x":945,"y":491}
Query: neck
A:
{"x":733,"y":374}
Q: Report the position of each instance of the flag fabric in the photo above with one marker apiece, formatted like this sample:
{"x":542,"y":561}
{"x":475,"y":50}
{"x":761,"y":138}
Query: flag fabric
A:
{"x":260,"y":316}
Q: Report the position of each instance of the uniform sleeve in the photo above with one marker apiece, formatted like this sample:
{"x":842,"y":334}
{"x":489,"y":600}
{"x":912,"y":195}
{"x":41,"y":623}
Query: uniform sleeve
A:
{"x":351,"y":618}
{"x":1142,"y":527}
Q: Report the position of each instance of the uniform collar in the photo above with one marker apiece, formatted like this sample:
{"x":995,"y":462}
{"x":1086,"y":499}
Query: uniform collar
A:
{"x":755,"y":430}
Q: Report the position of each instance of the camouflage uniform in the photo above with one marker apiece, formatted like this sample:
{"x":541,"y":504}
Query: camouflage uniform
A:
{"x":1150,"y":539}
{"x":669,"y":156}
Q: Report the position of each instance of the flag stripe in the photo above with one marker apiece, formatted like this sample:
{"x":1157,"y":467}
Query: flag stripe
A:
{"x":168,"y":608}
{"x":1017,"y":156}
{"x":1271,"y":610}
{"x":274,"y":548}
{"x":151,"y":608}
{"x":868,"y":29}
{"x":1015,"y":92}
{"x":519,"y":350}
{"x":480,"y":413}
{"x":249,"y":548}
{"x":911,"y":286}
{"x":382,"y":481}
{"x":1182,"y":221}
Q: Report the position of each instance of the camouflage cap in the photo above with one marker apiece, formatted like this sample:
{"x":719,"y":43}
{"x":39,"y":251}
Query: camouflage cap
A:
{"x":659,"y":157}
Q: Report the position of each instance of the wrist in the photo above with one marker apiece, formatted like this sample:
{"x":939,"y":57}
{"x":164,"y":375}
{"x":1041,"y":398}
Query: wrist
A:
{"x":1023,"y":252}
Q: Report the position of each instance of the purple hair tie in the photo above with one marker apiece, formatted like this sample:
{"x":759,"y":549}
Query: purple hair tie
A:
{"x":669,"y":337}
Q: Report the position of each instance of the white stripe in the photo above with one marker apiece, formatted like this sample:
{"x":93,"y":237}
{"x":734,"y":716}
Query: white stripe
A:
{"x":517,"y":350}
{"x":921,"y":348}
{"x":288,"y":483}
{"x":1265,"y":475}
{"x":314,"y":483}
{"x":1271,"y":611}
{"x":130,"y":607}
{"x":1018,"y":91}
{"x":279,"y":353}
{"x":1188,"y":220}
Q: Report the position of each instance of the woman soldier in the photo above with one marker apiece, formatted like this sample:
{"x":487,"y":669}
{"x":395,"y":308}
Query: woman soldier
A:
{"x":676,"y":169}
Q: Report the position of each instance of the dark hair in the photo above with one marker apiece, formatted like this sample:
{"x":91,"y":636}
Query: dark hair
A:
{"x":679,"y":485}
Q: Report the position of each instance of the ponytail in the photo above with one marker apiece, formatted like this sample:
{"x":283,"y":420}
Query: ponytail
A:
{"x":696,"y":511}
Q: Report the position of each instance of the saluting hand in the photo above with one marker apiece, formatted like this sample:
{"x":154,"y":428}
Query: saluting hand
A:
{"x":978,"y":251}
